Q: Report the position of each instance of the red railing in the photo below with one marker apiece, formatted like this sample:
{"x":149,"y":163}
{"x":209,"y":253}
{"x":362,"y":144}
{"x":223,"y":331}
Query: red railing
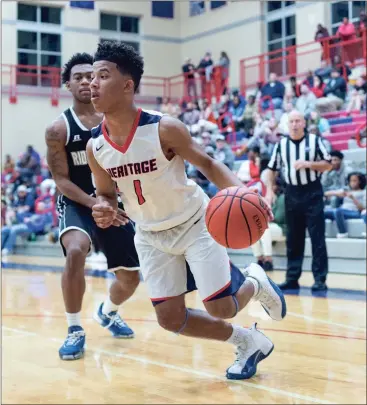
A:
{"x":295,"y":59}
{"x":30,"y":80}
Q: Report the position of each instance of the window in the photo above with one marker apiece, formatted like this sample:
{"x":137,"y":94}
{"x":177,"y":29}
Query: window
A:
{"x":196,"y":7}
{"x":42,"y":14}
{"x":281,"y":34}
{"x":341,"y":9}
{"x":117,"y":23}
{"x":217,"y":4}
{"x":39,"y":45}
{"x":278,"y":5}
{"x":163,"y":9}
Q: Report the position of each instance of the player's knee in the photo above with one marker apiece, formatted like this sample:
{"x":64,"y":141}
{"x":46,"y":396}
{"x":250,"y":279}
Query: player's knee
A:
{"x":223,"y":308}
{"x":76,"y":254}
{"x":171,"y":319}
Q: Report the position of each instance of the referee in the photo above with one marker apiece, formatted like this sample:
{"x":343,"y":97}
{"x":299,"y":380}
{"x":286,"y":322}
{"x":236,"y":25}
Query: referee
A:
{"x":302,"y":157}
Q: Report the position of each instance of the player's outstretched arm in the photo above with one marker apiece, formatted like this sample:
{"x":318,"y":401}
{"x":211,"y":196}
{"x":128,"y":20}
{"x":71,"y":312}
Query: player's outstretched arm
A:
{"x":175,"y":136}
{"x":105,"y":210}
{"x":58,"y":164}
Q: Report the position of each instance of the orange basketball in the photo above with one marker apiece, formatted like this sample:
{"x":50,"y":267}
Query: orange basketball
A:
{"x":236,"y":217}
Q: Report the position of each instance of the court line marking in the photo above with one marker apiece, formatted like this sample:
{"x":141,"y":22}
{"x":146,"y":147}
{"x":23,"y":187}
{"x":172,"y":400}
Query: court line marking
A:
{"x":202,"y":374}
{"x":310,"y":318}
{"x":298,"y":332}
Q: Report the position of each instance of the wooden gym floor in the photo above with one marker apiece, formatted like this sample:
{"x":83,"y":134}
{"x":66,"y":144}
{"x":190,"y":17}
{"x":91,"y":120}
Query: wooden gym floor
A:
{"x":319,"y":356}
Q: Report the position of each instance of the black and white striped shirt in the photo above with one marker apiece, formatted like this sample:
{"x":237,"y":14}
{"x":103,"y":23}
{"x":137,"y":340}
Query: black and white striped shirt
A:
{"x":288,"y":151}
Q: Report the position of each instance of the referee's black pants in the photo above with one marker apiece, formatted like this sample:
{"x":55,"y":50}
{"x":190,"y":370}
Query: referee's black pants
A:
{"x":304,"y":207}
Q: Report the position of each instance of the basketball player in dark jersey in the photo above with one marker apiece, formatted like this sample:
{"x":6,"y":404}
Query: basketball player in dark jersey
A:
{"x":66,"y":140}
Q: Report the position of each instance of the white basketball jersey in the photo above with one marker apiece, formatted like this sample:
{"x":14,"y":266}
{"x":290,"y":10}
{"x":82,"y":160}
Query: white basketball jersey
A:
{"x":156,"y":193}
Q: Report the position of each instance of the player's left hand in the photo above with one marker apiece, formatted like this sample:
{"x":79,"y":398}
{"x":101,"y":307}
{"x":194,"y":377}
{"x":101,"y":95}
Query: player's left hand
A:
{"x":103,"y":214}
{"x":121,"y":218}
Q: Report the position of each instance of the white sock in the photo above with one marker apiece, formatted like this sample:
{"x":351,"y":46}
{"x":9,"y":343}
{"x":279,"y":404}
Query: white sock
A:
{"x":73,"y":319}
{"x":238,"y":335}
{"x":255,"y":283}
{"x":109,"y":306}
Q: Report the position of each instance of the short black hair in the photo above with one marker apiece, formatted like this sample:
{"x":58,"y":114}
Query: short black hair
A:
{"x":361,"y":178}
{"x":76,"y":59}
{"x":337,"y":154}
{"x":127,"y":59}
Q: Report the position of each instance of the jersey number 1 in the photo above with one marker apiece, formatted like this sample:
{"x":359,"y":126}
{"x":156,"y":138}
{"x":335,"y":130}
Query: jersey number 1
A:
{"x":139,"y":192}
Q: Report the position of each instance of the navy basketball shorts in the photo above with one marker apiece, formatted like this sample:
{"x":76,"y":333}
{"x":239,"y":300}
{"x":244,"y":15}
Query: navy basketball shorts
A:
{"x":117,"y":243}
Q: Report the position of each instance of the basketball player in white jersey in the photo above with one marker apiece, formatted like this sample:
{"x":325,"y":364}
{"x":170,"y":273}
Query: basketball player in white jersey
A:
{"x":143,"y":152}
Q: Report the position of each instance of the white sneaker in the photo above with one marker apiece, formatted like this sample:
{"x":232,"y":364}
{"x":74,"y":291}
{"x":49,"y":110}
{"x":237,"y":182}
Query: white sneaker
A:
{"x":255,"y":347}
{"x":269,"y":295}
{"x":342,"y":235}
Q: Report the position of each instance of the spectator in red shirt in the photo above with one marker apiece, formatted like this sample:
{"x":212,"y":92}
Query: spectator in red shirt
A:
{"x":347,"y":32}
{"x":318,"y":86}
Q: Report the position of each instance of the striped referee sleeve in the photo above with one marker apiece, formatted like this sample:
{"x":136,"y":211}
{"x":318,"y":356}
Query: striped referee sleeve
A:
{"x":321,"y":151}
{"x":274,"y":163}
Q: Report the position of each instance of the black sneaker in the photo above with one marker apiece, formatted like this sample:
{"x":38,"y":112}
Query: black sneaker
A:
{"x":319,"y":286}
{"x":260,"y":263}
{"x":268,"y":266}
{"x":289,"y":285}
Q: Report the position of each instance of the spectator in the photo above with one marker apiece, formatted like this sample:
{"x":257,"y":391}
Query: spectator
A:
{"x":262,"y":249}
{"x":170,"y":109}
{"x":318,"y":86}
{"x":321,"y":123}
{"x":342,"y":68}
{"x":249,"y":114}
{"x":283,"y":123}
{"x":309,"y":79}
{"x":347,"y":32}
{"x":354,"y":202}
{"x":223,"y":64}
{"x":289,"y":97}
{"x":237,"y":110}
{"x":224,"y":152}
{"x":362,"y":24}
{"x":32,"y":224}
{"x":321,"y":34}
{"x":335,"y":92}
{"x":9,"y":165}
{"x":324,"y":71}
{"x":335,"y":179}
{"x":306,"y":102}
{"x":29,"y":163}
{"x":358,"y":96}
{"x":188,"y":69}
{"x":274,"y":89}
{"x":296,"y":87}
{"x":191,"y":116}
{"x":205,"y":69}
{"x":24,"y":202}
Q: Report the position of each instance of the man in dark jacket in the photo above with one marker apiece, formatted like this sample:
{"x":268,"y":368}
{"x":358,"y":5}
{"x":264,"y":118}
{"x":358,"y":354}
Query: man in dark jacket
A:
{"x":335,"y":92}
{"x":275,"y":89}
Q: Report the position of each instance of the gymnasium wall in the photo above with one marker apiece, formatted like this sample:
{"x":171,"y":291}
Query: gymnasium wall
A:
{"x":239,"y":28}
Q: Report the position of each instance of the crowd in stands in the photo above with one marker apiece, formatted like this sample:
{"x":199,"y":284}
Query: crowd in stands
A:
{"x":254,"y":124}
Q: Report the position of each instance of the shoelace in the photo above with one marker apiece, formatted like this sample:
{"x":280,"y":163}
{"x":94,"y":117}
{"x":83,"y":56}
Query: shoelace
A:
{"x":73,"y":338}
{"x":116,"y":319}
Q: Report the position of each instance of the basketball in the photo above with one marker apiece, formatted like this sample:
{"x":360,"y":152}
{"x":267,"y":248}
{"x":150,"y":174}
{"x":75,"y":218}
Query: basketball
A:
{"x":236,"y":217}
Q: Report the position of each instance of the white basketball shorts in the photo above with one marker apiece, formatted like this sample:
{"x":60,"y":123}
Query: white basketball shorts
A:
{"x":163,"y":256}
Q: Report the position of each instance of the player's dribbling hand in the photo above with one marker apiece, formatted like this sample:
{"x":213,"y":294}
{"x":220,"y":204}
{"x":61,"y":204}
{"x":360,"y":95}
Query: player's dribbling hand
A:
{"x":103,"y":214}
{"x":267,"y":205}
